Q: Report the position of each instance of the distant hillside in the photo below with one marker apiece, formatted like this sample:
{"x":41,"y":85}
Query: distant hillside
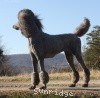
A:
{"x":20,"y":60}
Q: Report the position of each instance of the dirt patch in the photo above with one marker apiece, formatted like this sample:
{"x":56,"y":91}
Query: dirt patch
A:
{"x":57,"y":88}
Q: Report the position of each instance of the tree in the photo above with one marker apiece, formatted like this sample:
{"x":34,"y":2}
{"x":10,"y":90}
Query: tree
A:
{"x":2,"y":57}
{"x":6,"y":68}
{"x":92,"y":51}
{"x":2,"y":60}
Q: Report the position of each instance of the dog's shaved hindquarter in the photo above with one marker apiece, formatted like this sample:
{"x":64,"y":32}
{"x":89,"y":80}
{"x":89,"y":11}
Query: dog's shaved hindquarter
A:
{"x":43,"y":45}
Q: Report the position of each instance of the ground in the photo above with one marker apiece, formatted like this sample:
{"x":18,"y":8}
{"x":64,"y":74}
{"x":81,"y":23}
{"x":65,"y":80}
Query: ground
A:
{"x":58,"y":85}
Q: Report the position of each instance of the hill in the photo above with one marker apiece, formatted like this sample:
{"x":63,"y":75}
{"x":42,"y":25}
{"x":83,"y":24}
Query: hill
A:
{"x":24,"y":61}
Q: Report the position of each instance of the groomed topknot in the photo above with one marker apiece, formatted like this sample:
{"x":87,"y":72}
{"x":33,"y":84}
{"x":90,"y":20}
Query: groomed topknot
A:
{"x":25,"y":12}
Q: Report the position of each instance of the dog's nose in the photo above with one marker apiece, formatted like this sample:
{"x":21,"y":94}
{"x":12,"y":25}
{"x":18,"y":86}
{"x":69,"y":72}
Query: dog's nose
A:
{"x":15,"y":27}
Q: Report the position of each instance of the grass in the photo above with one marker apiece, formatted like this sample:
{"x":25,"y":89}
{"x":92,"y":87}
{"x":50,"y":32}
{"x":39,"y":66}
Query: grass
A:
{"x":30,"y":94}
{"x":19,"y":78}
{"x":95,"y":75}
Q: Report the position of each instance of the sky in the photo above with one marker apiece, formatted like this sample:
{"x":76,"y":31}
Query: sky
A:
{"x":58,"y":17}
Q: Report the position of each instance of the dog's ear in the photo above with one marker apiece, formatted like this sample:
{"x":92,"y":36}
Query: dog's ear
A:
{"x":16,"y":26}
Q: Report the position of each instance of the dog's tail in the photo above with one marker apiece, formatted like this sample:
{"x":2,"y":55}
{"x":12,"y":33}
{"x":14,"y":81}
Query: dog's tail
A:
{"x":82,"y":28}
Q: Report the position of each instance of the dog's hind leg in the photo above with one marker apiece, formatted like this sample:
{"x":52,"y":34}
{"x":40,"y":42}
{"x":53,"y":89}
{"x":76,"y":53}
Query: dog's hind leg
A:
{"x":78,"y":55}
{"x":86,"y":70}
{"x":69,"y":57}
{"x":34,"y":76}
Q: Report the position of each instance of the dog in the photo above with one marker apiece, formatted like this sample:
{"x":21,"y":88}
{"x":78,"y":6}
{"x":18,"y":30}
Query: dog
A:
{"x":43,"y":45}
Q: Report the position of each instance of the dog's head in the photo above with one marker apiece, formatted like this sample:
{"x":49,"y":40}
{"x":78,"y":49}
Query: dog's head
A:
{"x":26,"y":22}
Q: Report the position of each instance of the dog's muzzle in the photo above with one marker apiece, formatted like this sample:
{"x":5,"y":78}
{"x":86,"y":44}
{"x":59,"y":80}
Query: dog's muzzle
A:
{"x":15,"y":27}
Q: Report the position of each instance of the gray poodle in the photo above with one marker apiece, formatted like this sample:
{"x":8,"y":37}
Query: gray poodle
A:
{"x":43,"y":45}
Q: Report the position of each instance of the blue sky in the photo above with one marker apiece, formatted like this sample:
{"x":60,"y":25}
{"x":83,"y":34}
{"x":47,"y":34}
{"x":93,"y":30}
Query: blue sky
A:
{"x":58,"y":16}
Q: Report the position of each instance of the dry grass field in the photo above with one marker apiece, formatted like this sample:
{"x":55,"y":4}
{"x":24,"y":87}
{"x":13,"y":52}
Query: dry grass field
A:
{"x":17,"y":86}
{"x":95,"y":75}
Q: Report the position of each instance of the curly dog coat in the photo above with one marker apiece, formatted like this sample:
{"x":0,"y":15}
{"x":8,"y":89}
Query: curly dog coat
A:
{"x":43,"y":45}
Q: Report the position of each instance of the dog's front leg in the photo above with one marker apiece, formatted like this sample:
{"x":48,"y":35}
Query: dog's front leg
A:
{"x":44,"y":78}
{"x":34,"y":76}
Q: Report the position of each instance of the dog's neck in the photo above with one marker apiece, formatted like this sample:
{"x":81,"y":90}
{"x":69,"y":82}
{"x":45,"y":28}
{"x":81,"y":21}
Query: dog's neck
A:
{"x":35,"y":37}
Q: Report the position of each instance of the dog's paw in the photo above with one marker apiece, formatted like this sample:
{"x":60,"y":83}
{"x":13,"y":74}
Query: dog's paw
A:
{"x":72,"y":85}
{"x":32,"y":87}
{"x":85,"y":85}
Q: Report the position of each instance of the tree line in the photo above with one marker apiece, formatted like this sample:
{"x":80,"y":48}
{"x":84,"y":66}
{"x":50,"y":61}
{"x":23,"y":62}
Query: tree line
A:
{"x":92,"y":50}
